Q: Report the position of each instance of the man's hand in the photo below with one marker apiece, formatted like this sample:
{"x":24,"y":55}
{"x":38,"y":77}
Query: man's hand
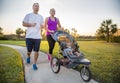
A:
{"x":32,"y":24}
{"x":29,"y":24}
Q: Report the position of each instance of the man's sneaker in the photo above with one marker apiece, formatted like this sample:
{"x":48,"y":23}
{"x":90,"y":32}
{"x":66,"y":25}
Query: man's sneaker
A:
{"x":28,"y":60}
{"x":34,"y":67}
{"x":49,"y":57}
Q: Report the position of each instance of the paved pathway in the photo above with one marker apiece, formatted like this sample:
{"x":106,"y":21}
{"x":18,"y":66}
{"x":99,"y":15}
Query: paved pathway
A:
{"x":44,"y":73}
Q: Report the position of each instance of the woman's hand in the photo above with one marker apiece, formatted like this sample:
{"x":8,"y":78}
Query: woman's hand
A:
{"x":51,"y":31}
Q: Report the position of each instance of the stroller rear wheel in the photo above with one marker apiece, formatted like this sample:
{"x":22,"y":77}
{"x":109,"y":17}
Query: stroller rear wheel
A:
{"x":55,"y":64}
{"x":85,"y":73}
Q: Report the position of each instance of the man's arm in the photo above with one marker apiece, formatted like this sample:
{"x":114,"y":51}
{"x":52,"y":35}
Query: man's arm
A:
{"x":42,"y":24}
{"x":25,"y":24}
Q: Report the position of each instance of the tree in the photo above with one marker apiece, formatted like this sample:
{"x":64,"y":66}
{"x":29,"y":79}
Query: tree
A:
{"x":19,"y":31}
{"x":25,"y":31}
{"x":107,"y":29}
{"x":67,"y":30}
{"x":100,"y":34}
{"x":1,"y":31}
{"x":74,"y":32}
{"x":43,"y":33}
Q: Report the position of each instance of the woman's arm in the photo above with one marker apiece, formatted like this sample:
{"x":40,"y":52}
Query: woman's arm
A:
{"x":45,"y":25}
{"x":59,"y":25}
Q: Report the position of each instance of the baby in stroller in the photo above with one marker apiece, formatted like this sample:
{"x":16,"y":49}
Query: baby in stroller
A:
{"x":72,"y":49}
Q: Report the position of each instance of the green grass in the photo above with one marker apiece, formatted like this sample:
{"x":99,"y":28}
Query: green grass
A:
{"x":105,"y":58}
{"x":11,"y":70}
{"x":20,"y":43}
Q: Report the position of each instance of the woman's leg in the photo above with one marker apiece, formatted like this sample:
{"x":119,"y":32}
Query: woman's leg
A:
{"x":51,"y":43}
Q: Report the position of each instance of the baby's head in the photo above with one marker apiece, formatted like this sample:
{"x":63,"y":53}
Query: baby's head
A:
{"x":68,"y":45}
{"x":68,"y":40}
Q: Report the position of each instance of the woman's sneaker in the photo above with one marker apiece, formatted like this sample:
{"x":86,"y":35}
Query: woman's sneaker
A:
{"x":28,"y":60}
{"x":49,"y":57}
{"x":34,"y":67}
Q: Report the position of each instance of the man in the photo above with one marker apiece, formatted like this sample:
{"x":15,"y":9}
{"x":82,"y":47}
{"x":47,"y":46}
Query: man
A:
{"x":34,"y":23}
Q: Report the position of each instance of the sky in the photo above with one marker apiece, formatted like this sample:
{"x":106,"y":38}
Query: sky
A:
{"x":84,"y":15}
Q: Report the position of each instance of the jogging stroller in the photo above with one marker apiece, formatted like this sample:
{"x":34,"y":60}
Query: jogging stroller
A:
{"x":72,"y":56}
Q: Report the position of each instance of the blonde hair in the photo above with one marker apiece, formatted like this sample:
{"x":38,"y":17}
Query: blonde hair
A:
{"x":52,"y":9}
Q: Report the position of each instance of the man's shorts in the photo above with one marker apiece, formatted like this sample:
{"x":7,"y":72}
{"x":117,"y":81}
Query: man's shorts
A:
{"x":33,"y":44}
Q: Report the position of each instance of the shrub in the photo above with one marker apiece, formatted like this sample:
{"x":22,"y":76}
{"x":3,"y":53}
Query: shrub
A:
{"x":11,"y":70}
{"x":3,"y":38}
{"x":116,"y":39}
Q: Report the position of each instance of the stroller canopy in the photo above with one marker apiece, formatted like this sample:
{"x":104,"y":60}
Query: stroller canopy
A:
{"x":62,"y":34}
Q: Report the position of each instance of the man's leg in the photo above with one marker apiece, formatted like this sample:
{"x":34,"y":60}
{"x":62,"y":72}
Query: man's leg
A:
{"x":28,"y":58}
{"x":29,"y":48}
{"x":36,"y":49}
{"x":36,"y":57}
{"x":28,"y":53}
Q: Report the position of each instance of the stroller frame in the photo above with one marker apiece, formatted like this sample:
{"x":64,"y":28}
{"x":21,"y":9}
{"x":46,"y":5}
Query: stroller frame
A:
{"x":73,"y":60}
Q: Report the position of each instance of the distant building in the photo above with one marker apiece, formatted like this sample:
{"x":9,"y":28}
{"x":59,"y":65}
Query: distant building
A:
{"x":117,"y":33}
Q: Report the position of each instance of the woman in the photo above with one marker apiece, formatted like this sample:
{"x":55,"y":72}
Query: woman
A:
{"x":51,"y":24}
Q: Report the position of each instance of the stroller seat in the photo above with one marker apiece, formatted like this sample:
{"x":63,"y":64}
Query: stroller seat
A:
{"x":72,"y":56}
{"x":63,"y":45}
{"x":76,"y":59}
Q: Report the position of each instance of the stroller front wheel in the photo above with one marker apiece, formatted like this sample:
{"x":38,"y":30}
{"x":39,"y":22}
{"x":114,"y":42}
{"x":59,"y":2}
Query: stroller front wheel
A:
{"x":85,"y":73}
{"x":55,"y":64}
